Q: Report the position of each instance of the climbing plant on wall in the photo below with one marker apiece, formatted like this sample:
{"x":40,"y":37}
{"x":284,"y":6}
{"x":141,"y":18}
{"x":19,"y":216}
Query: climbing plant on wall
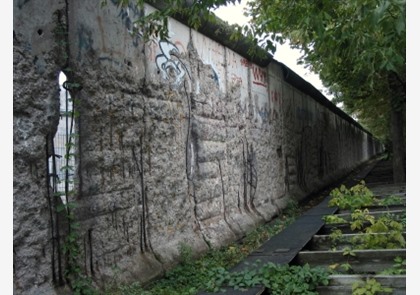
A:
{"x":61,"y":159}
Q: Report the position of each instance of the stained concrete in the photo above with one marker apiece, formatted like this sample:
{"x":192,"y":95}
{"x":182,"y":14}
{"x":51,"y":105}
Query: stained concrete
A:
{"x":180,"y":141}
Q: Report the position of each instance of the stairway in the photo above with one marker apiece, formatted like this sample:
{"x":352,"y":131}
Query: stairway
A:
{"x":308,"y":241}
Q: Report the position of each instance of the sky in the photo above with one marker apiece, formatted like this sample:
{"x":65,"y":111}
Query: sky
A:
{"x":284,"y":54}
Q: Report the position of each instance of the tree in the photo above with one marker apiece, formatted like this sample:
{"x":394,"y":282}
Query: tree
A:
{"x":357,"y":47}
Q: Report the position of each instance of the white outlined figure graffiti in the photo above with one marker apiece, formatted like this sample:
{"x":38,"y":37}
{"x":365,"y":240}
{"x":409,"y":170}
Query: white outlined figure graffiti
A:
{"x":169,"y":63}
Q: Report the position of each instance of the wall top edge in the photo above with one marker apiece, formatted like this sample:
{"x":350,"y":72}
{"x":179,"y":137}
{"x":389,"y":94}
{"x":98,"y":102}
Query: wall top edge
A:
{"x":297,"y":81}
{"x":221,"y":32}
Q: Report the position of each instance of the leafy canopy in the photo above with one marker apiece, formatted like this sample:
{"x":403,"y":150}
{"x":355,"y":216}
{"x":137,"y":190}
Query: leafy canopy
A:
{"x":355,"y":46}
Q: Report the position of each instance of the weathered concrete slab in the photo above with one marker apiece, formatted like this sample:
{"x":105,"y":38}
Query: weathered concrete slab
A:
{"x":386,"y":189}
{"x":376,"y":213}
{"x":378,"y":208}
{"x":324,"y":242}
{"x":283,"y":247}
{"x":363,"y":261}
{"x":347,"y":290}
{"x":342,"y":284}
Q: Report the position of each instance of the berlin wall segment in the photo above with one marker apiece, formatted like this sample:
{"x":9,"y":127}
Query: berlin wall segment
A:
{"x":179,"y":141}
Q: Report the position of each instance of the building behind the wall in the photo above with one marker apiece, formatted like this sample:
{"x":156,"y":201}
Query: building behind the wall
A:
{"x":186,"y":141}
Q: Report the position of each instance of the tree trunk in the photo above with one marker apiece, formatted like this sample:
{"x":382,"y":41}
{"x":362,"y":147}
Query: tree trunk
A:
{"x":397,"y":97}
{"x":398,"y":145}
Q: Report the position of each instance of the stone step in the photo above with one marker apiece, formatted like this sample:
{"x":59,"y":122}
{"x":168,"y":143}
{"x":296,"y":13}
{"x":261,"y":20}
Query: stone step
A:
{"x":325,"y":243}
{"x":361,"y":261}
{"x":342,"y":284}
{"x":378,"y":208}
{"x":396,"y":213}
{"x":343,"y":227}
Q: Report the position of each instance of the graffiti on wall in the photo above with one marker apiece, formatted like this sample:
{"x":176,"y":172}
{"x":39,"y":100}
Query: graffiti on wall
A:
{"x":259,"y":76}
{"x":261,"y":108}
{"x":85,"y":39}
{"x":275,"y":101}
{"x":246,"y":63}
{"x":275,"y":97}
{"x":169,"y":63}
{"x":127,"y":14}
{"x":167,"y":59}
{"x":236,"y":79}
{"x":261,"y":99}
{"x":215,"y":77}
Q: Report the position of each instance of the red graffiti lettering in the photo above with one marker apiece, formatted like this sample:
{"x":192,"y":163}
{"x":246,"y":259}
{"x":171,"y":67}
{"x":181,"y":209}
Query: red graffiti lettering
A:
{"x":236,"y":79}
{"x":260,"y":76}
{"x":275,"y":96}
{"x":245,"y":62}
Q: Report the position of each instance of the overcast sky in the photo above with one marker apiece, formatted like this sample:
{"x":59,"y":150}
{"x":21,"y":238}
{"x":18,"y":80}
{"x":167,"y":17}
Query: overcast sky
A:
{"x":234,"y":14}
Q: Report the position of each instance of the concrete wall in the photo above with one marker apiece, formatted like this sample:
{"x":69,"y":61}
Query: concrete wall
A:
{"x":36,"y":65}
{"x":179,"y":142}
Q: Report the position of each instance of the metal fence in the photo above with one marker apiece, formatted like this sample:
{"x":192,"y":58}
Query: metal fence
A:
{"x":62,"y":166}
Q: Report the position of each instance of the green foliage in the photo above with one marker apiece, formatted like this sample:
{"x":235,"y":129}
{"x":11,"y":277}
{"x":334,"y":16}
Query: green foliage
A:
{"x":155,"y":24}
{"x":335,"y":236}
{"x":356,"y":197}
{"x":186,"y":253}
{"x":399,"y":267}
{"x":347,"y":251}
{"x":391,"y":200}
{"x":393,"y":239}
{"x":341,"y":268}
{"x":355,"y":47}
{"x":346,"y":267}
{"x":278,"y":279}
{"x":292,"y":208}
{"x":209,"y":272}
{"x":384,"y":232}
{"x":333,"y":219}
{"x":79,"y":282}
{"x":360,"y":218}
{"x":133,"y":289}
{"x":70,"y":248}
{"x":369,"y":287}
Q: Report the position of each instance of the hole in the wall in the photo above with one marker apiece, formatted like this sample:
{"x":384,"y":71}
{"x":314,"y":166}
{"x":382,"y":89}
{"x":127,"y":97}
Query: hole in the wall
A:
{"x":40,"y":32}
{"x":280,"y":152}
{"x":127,"y":62}
{"x":62,"y":166}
